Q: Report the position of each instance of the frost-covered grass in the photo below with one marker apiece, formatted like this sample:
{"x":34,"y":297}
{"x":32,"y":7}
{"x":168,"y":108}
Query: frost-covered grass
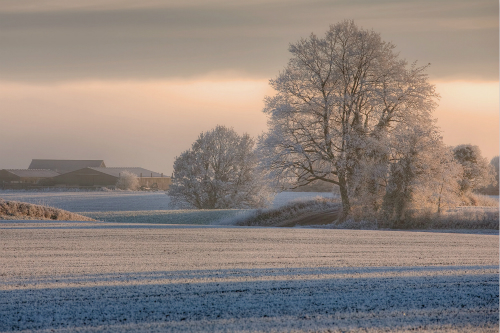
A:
{"x":282,"y":214}
{"x":285,"y":198}
{"x":13,"y":210}
{"x":92,"y":277}
{"x":153,"y":207}
{"x":325,"y":211}
{"x":190,"y":216}
{"x":80,"y":201}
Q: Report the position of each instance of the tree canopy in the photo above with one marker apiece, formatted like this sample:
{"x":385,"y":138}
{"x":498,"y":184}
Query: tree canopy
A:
{"x":219,"y":172}
{"x":341,"y":104}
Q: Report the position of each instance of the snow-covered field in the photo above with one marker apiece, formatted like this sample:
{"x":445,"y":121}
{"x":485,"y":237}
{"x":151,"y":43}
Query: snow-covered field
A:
{"x":137,"y":207}
{"x":185,"y":216}
{"x":122,"y":200}
{"x":138,"y":277}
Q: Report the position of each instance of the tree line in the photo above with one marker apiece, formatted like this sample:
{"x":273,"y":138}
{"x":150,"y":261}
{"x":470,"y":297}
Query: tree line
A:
{"x":346,"y":111}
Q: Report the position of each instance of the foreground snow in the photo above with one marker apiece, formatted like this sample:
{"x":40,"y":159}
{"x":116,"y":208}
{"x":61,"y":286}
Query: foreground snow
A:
{"x":125,"y":277}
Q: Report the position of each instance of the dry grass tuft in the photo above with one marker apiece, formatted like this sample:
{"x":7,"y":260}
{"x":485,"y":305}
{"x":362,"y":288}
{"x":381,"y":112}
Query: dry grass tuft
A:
{"x":14,"y":210}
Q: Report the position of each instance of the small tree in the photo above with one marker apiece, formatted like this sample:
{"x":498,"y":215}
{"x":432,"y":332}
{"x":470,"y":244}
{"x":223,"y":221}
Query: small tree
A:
{"x":127,"y":181}
{"x":477,"y":172}
{"x":219,"y":172}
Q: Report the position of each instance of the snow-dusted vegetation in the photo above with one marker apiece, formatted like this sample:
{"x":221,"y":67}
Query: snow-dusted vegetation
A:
{"x":347,"y":110}
{"x":122,"y":277}
{"x":13,"y":210}
{"x":219,"y":172}
{"x":325,"y":212}
{"x":128,"y":181}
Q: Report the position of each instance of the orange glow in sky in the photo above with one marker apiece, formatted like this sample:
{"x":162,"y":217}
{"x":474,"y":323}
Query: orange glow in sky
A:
{"x":153,"y":121}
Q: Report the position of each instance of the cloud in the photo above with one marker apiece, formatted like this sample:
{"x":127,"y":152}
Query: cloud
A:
{"x":55,"y":40}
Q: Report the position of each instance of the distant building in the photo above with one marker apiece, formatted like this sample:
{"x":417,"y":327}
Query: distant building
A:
{"x":25,"y":176}
{"x":63,"y":166}
{"x":102,"y":176}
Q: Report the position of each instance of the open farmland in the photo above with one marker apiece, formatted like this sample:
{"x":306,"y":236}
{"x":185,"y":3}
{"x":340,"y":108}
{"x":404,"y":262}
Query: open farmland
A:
{"x":138,"y":207}
{"x":87,"y":276}
{"x":80,"y":201}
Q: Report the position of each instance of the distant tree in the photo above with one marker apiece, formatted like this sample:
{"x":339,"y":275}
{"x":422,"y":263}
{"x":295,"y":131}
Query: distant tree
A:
{"x":496,"y":182}
{"x":492,"y":188}
{"x":477,"y":172}
{"x":218,"y":172}
{"x":336,"y":107}
{"x":127,"y":181}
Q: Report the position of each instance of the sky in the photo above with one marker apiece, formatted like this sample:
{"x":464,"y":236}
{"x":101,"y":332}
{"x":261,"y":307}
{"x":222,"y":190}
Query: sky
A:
{"x":135,"y":82}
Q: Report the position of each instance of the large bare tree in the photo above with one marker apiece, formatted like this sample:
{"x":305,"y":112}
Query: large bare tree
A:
{"x":337,"y":102}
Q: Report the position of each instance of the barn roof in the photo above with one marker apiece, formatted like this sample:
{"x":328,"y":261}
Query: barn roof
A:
{"x":116,"y":171}
{"x":63,"y":166}
{"x":33,"y":173}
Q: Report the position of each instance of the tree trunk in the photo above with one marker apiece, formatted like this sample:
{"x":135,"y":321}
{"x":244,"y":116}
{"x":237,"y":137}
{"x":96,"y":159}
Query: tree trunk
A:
{"x":346,"y":206}
{"x":439,"y":199}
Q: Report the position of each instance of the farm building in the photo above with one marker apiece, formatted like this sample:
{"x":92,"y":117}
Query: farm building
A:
{"x":63,"y":166}
{"x":25,"y":176}
{"x":101,"y":176}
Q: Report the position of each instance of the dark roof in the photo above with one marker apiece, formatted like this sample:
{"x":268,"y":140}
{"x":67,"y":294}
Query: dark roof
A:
{"x":63,"y":166}
{"x":33,"y":173}
{"x":136,"y":171}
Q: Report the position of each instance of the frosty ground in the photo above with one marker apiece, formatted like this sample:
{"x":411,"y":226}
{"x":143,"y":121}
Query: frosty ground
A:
{"x":138,"y":207}
{"x":85,"y":276}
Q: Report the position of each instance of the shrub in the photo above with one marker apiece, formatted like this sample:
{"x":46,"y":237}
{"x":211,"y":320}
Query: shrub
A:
{"x":127,"y":181}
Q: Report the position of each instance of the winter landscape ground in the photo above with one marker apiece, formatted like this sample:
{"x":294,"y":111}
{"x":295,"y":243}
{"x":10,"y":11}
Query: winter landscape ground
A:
{"x":85,"y":276}
{"x":137,"y":207}
{"x":115,"y":277}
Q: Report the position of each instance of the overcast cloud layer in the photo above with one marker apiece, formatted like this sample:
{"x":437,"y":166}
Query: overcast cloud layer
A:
{"x":135,"y":82}
{"x":45,"y":40}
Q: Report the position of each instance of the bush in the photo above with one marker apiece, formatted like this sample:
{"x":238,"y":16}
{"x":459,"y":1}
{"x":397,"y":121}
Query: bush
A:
{"x":127,"y":181}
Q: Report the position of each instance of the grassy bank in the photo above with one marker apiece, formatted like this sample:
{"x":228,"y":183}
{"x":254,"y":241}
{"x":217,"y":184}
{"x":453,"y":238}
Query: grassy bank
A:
{"x":324,"y":212}
{"x":14,"y":210}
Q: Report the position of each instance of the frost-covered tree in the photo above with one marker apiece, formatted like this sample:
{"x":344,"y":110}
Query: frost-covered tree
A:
{"x":337,"y":103}
{"x":423,"y":172}
{"x":492,"y":188}
{"x":477,"y":171}
{"x":495,"y":183}
{"x":127,"y":181}
{"x":218,"y":172}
